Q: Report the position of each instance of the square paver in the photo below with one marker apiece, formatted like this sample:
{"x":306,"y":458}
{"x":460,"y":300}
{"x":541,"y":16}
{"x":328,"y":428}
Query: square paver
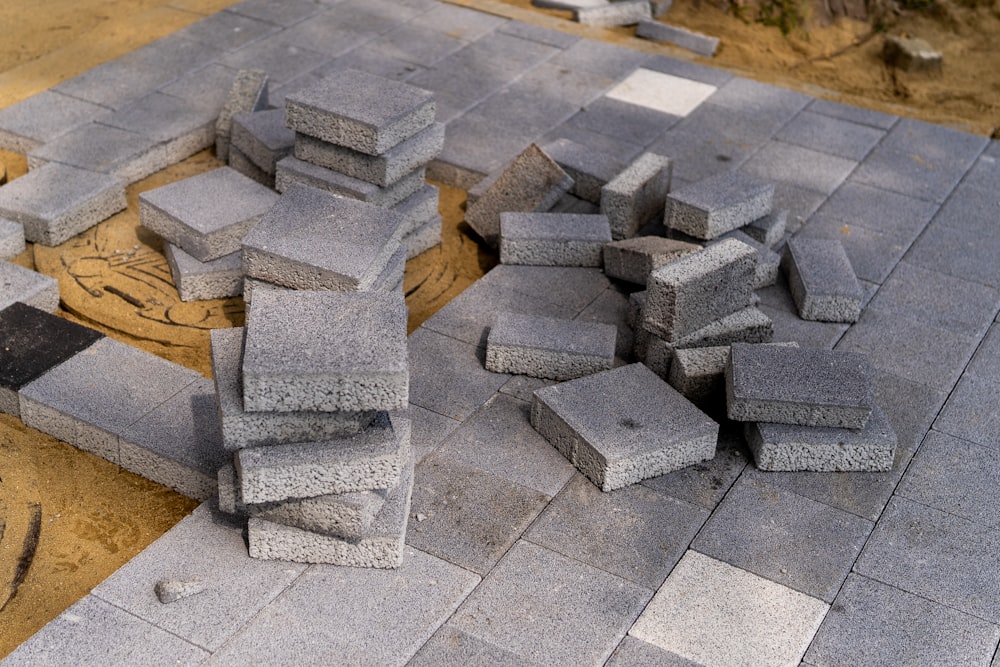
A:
{"x":450,"y":646}
{"x":549,"y":347}
{"x":883,"y":211}
{"x":624,"y":121}
{"x":823,"y":133}
{"x":41,"y":118}
{"x":108,"y":150}
{"x":274,"y":54}
{"x":972,"y":411}
{"x":822,"y":280}
{"x":662,"y":92}
{"x":964,"y":254}
{"x":635,"y":653}
{"x":802,"y":167}
{"x":21,"y":285}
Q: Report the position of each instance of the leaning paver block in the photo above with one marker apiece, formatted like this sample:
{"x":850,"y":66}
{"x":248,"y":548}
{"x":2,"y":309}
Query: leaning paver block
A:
{"x":325,"y":351}
{"x":424,"y":238}
{"x":43,"y":117}
{"x":109,"y":150}
{"x":11,"y":238}
{"x":697,"y":289}
{"x":532,"y":182}
{"x":315,"y":240}
{"x":546,"y":347}
{"x":553,"y":239}
{"x":719,"y":204}
{"x":801,"y":386}
{"x":18,"y":284}
{"x":247,"y":94}
{"x":636,"y":195}
{"x":206,"y":215}
{"x":242,"y":429}
{"x":623,"y":12}
{"x":215,"y":279}
{"x":589,"y":167}
{"x":372,"y":459}
{"x":33,"y":343}
{"x":367,"y":113}
{"x":635,"y":258}
{"x":822,"y":280}
{"x":704,"y":45}
{"x":622,"y":426}
{"x":262,"y":137}
{"x":769,"y":229}
{"x":767,"y":262}
{"x":57,"y":201}
{"x":291,"y":170}
{"x":823,"y":449}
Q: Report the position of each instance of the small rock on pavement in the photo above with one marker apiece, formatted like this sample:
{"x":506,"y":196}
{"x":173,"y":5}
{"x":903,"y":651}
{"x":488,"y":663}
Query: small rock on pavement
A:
{"x":172,"y":590}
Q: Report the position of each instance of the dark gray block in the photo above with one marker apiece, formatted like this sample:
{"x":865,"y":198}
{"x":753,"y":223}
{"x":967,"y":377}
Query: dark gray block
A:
{"x":766,"y":261}
{"x":623,"y":12}
{"x":410,"y":43}
{"x":553,"y":239}
{"x":41,"y":118}
{"x":640,"y":441}
{"x":704,"y":45}
{"x":719,"y":204}
{"x":971,"y":411}
{"x":825,"y":134}
{"x":760,"y":99}
{"x":539,"y":34}
{"x":822,"y":280}
{"x":475,"y":147}
{"x":449,"y":646}
{"x":986,"y":362}
{"x":637,"y":194}
{"x":634,"y":259}
{"x":548,"y":347}
{"x":21,"y":285}
{"x":970,"y":205}
{"x":262,"y":137}
{"x":610,"y":60}
{"x":853,"y":114}
{"x":216,"y":279}
{"x":291,"y":170}
{"x":799,"y":167}
{"x":423,"y":238}
{"x":612,"y":307}
{"x":589,"y":168}
{"x":620,"y":120}
{"x":11,"y":239}
{"x":872,"y":254}
{"x":698,"y":373}
{"x":101,"y":148}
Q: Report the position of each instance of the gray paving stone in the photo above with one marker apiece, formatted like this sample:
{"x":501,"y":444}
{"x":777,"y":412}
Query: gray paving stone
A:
{"x":11,"y":239}
{"x":697,"y":373}
{"x":697,"y":42}
{"x":419,"y":208}
{"x":801,"y":167}
{"x":609,"y":60}
{"x":622,"y":120}
{"x":476,"y":147}
{"x":986,"y":362}
{"x":611,"y":307}
{"x":621,"y":150}
{"x":634,"y":653}
{"x":460,"y":22}
{"x":971,"y":411}
{"x":766,"y":262}
{"x":534,"y":33}
{"x":749,"y":325}
{"x":769,"y":229}
{"x":553,"y":239}
{"x":41,"y":118}
{"x":969,"y":208}
{"x":590,"y":169}
{"x":227,"y":30}
{"x":287,"y":14}
{"x":238,"y":161}
{"x":822,"y":280}
{"x":104,"y":149}
{"x":283,"y":61}
{"x":687,"y":69}
{"x":624,"y":12}
{"x":378,"y":16}
{"x":760,"y":99}
{"x":423,"y":238}
{"x":371,"y":58}
{"x":262,"y":137}
{"x":548,"y":347}
{"x":853,"y":114}
{"x":963,"y":254}
{"x":637,"y":194}
{"x":428,"y":430}
{"x":716,"y":205}
{"x":787,"y":326}
{"x":417,"y":44}
{"x":291,"y":170}
{"x":522,"y":387}
{"x":29,"y":287}
{"x":634,"y":259}
{"x":454,"y":647}
{"x":181,"y":127}
{"x":195,"y":281}
{"x":823,"y":133}
{"x":873,"y":254}
{"x":247,"y":93}
{"x":879,"y":210}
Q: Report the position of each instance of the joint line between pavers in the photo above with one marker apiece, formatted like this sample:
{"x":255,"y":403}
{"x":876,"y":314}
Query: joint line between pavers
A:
{"x":147,"y":622}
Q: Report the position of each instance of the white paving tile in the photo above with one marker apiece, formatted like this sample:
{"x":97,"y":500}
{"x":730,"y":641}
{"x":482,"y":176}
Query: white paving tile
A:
{"x":663,"y":92}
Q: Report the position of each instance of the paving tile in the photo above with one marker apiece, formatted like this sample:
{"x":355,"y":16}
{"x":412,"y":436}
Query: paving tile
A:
{"x":328,"y":34}
{"x":818,"y":543}
{"x":623,"y":120}
{"x":417,"y":43}
{"x":659,"y":91}
{"x":376,"y":617}
{"x":450,"y":646}
{"x":970,"y":209}
{"x":93,"y":632}
{"x":227,"y":31}
{"x":534,"y":33}
{"x":428,"y":430}
{"x":829,"y":135}
{"x":284,"y":14}
{"x":635,"y":653}
{"x":973,"y":411}
{"x":609,"y":60}
{"x":21,"y":285}
{"x":873,"y":254}
{"x":377,"y":16}
{"x":611,"y":307}
{"x":282,"y":61}
{"x":712,"y":613}
{"x":373,"y":58}
{"x":872,"y":623}
{"x":108,"y":150}
{"x":878,"y":210}
{"x":853,"y":114}
{"x":802,"y":167}
{"x":986,"y":362}
{"x":623,"y":151}
{"x":688,"y":70}
{"x":938,"y":556}
{"x":761,"y":99}
{"x":965,"y":254}
{"x":459,"y":22}
{"x":537,"y":112}
{"x":41,"y":118}
{"x":206,"y":86}
{"x":547,"y":608}
{"x":466,"y":516}
{"x":789,"y":327}
{"x":984,"y":171}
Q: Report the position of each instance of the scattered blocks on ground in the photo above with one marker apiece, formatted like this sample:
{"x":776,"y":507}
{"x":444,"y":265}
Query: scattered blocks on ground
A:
{"x":546,"y":347}
{"x":247,"y":94}
{"x":11,"y":238}
{"x":635,"y":258}
{"x":589,"y":168}
{"x":769,"y":229}
{"x":719,"y":204}
{"x":553,"y":239}
{"x":609,"y":15}
{"x":291,"y":170}
{"x":637,"y":194}
{"x":698,"y":373}
{"x":195,"y":281}
{"x":767,"y":262}
{"x":656,"y":31}
{"x":262,"y":137}
{"x":18,"y":284}
{"x":822,"y":280}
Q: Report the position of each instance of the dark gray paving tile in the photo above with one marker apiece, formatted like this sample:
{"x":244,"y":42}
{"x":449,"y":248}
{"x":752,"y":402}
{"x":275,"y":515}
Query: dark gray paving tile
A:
{"x":450,"y":646}
{"x":554,"y":82}
{"x":609,"y":60}
{"x":480,"y":146}
{"x":43,"y":117}
{"x":286,"y":13}
{"x":207,"y":86}
{"x":537,"y":113}
{"x":459,"y":22}
{"x":985,"y":171}
{"x":973,"y":411}
{"x":376,"y":16}
{"x":628,"y":122}
{"x":871,"y":623}
{"x":697,"y":157}
{"x":688,"y":70}
{"x":822,"y":133}
{"x":466,"y":516}
{"x":275,"y":55}
{"x":873,"y":254}
{"x":418,"y":44}
{"x":965,"y":254}
{"x":986,"y":361}
{"x":801,"y":167}
{"x":624,"y":151}
{"x":227,"y":31}
{"x":878,"y":210}
{"x":522,"y":386}
{"x":789,"y":327}
{"x":327,"y":34}
{"x":634,"y":652}
{"x":547,"y":608}
{"x":937,"y":556}
{"x":854,"y":114}
{"x":801,"y":203}
{"x":970,"y":209}
{"x":760,"y":99}
{"x":534,"y":33}
{"x":428,"y":430}
{"x":371,"y":58}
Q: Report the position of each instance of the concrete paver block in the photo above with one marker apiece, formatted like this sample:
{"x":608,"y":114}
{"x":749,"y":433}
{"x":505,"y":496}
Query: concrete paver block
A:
{"x":216,"y":279}
{"x":637,"y":194}
{"x":635,"y":258}
{"x":55,"y":201}
{"x":697,"y":373}
{"x":718,"y":204}
{"x":799,"y":386}
{"x":822,"y":281}
{"x":180,"y":127}
{"x":590,"y":168}
{"x":41,"y":118}
{"x":635,"y":653}
{"x":291,"y":170}
{"x":450,"y":646}
{"x":29,"y":287}
{"x":768,"y":229}
{"x":623,"y":12}
{"x":550,"y":348}
{"x":11,"y":239}
{"x":241,"y":163}
{"x":262,"y":137}
{"x":911,"y":54}
{"x":553,"y":239}
{"x":702,"y":44}
{"x":419,"y":208}
{"x":423,"y":238}
{"x":640,"y":441}
{"x":108,"y":150}
{"x":767,"y":262}
{"x":839,"y":137}
{"x":206,"y":86}
{"x":247,"y":94}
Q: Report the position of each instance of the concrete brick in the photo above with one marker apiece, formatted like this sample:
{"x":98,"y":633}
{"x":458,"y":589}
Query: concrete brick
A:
{"x":423,"y":238}
{"x":767,"y":261}
{"x":623,"y":120}
{"x":718,"y":204}
{"x":706,"y":484}
{"x":312,"y":239}
{"x":697,"y":289}
{"x":56,"y":201}
{"x":635,"y":258}
{"x":769,"y":229}
{"x":247,"y":94}
{"x":180,"y":127}
{"x":807,"y":387}
{"x":104,"y":149}
{"x":748,"y":325}
{"x":549,"y":348}
{"x":553,"y":239}
{"x":703,"y":45}
{"x":278,"y":55}
{"x":217,"y":279}
{"x":637,"y":194}
{"x":262,"y":137}
{"x":971,"y":411}
{"x":384,"y":169}
{"x":822,"y":133}
{"x":11,"y":239}
{"x":348,"y":515}
{"x":41,"y":118}
{"x":635,"y":653}
{"x":291,"y":170}
{"x":535,"y":33}
{"x":419,"y":208}
{"x":206,"y":86}
{"x":589,"y":168}
{"x":611,"y":308}
{"x":624,"y":12}
{"x":244,"y":165}
{"x":911,"y":54}
{"x":360,"y":111}
{"x":697,"y":373}
{"x":641,"y":440}
{"x":822,"y":281}
{"x":29,"y":287}
{"x":533,"y":182}
{"x":206,"y":215}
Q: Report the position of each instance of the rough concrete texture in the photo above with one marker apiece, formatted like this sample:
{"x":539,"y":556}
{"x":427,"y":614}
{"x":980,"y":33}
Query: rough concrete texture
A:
{"x":698,"y":289}
{"x":748,"y":325}
{"x":241,"y":163}
{"x":911,"y":54}
{"x":18,"y":284}
{"x":553,"y":239}
{"x":418,"y":208}
{"x":253,"y":285}
{"x":823,"y":449}
{"x":312,"y":239}
{"x":180,"y":127}
{"x":108,"y":150}
{"x":699,"y":373}
{"x":291,"y":170}
{"x":621,"y":12}
{"x":242,"y":429}
{"x":56,"y":202}
{"x":635,"y":258}
{"x":767,"y":262}
{"x":703,"y":45}
{"x":718,"y":204}
{"x":194,"y":280}
{"x":357,"y":110}
{"x":325,"y":351}
{"x":637,"y":194}
{"x":206,"y":215}
{"x":799,"y":386}
{"x":769,"y":229}
{"x":423,"y":238}
{"x":262,"y":137}
{"x":41,"y":118}
{"x":621,"y":426}
{"x":11,"y":238}
{"x":372,"y":459}
{"x":532,"y":182}
{"x":384,"y":169}
{"x":822,"y":280}
{"x":247,"y":94}
{"x":589,"y":167}
{"x":546,"y":347}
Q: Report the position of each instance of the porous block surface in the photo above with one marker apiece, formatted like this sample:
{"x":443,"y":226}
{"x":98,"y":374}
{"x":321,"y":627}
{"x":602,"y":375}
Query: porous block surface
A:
{"x":206,"y":215}
{"x":11,"y":238}
{"x":291,"y":170}
{"x":553,"y":239}
{"x":718,"y":204}
{"x":768,"y":229}
{"x":767,"y":262}
{"x":635,"y":258}
{"x":822,"y":280}
{"x":215,"y":279}
{"x":247,"y":93}
{"x":621,"y":426}
{"x":590,"y":168}
{"x":18,"y":284}
{"x":344,"y":515}
{"x":325,"y":351}
{"x":799,"y":386}
{"x":637,"y":194}
{"x":624,"y":12}
{"x":547,"y":347}
{"x":55,"y":201}
{"x":262,"y":137}
{"x":361,"y":111}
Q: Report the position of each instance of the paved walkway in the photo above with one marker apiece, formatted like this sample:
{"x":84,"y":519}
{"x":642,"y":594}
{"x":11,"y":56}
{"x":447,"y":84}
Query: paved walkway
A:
{"x":515,"y":558}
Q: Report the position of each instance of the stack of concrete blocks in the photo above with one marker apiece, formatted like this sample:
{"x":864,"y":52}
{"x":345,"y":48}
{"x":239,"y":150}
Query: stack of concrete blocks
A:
{"x":369,"y":138}
{"x":309,"y":398}
{"x":808,"y":409}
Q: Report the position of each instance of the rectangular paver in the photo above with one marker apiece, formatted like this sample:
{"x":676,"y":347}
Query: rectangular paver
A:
{"x":553,"y":239}
{"x":822,"y":281}
{"x":711,"y":207}
{"x":548,"y":347}
{"x":29,"y":287}
{"x":636,"y":194}
{"x":195,"y":281}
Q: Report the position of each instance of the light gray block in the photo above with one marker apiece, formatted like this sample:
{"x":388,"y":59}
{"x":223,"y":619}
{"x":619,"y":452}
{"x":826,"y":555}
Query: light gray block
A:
{"x":35,"y":289}
{"x":56,"y":202}
{"x":424,"y":238}
{"x":546,"y":347}
{"x":703,"y":45}
{"x":637,"y":194}
{"x":109,"y":150}
{"x":532,"y":182}
{"x":291,"y":170}
{"x":11,"y":238}
{"x":253,"y":285}
{"x":242,"y":429}
{"x":195,"y":281}
{"x":589,"y":168}
{"x":247,"y":94}
{"x":325,"y":351}
{"x":621,"y":426}
{"x":622,"y":12}
{"x":206,"y":215}
{"x":802,"y":386}
{"x":312,"y":239}
{"x":419,"y":208}
{"x":392,"y":277}
{"x":698,"y":289}
{"x":822,"y":280}
{"x":769,"y":229}
{"x":41,"y":118}
{"x":262,"y":137}
{"x":767,"y":263}
{"x":553,"y":239}
{"x":719,"y":204}
{"x":383,"y":169}
{"x":241,"y":163}
{"x":635,"y":258}
{"x":367,"y":113}
{"x":823,"y":449}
